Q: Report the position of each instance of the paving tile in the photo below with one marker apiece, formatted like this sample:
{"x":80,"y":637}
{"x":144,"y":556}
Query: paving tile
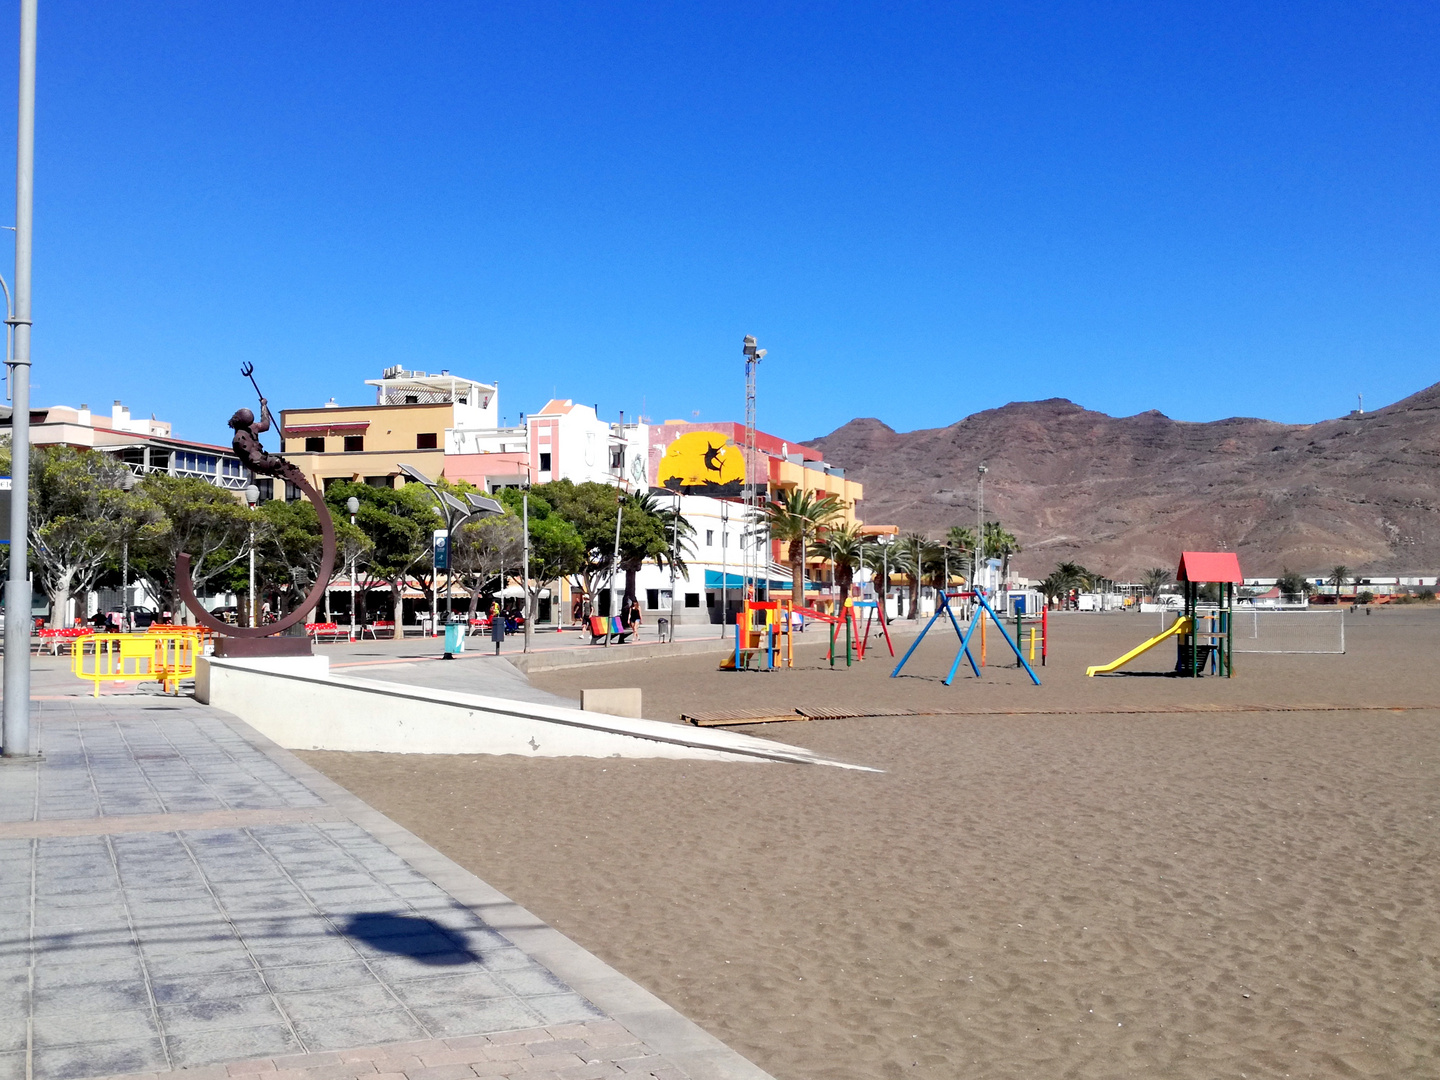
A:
{"x":530,"y":981}
{"x":319,"y":977}
{"x":448,"y":989}
{"x":98,"y":996}
{"x":346,"y":1001}
{"x":50,"y":975}
{"x":301,"y":952}
{"x":12,"y":1066}
{"x":187,"y":989}
{"x":65,"y":1029}
{"x":231,"y":1044}
{"x":476,"y":1017}
{"x":344,"y":1032}
{"x":172,"y":964}
{"x":109,"y":1058}
{"x":561,"y":1008}
{"x":12,"y":1031}
{"x":216,"y":1013}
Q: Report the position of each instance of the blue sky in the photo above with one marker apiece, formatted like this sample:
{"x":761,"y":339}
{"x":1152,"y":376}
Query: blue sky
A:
{"x":920,"y":210}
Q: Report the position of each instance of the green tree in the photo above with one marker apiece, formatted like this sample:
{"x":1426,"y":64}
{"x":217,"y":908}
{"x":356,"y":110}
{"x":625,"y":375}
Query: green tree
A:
{"x":650,"y":530}
{"x":845,"y":548}
{"x":556,"y":547}
{"x":797,"y":518}
{"x":400,"y":523}
{"x":960,"y":540}
{"x":1339,"y":577}
{"x":589,"y":507}
{"x":915,"y":556}
{"x":208,"y":522}
{"x":289,"y":547}
{"x":1293,"y":586}
{"x":1000,"y":544}
{"x":1155,"y":580}
{"x":80,"y":513}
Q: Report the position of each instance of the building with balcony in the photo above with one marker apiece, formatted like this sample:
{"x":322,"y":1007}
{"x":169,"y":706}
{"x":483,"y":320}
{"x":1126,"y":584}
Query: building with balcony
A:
{"x":145,"y":445}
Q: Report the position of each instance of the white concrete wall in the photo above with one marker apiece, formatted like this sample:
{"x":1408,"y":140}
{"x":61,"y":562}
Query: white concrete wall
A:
{"x":301,"y":708}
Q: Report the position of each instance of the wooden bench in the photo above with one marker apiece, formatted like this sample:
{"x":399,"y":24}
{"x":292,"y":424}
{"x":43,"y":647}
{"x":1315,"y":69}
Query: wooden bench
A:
{"x":61,"y":637}
{"x":375,"y":629}
{"x":327,"y":630}
{"x":604,"y":630}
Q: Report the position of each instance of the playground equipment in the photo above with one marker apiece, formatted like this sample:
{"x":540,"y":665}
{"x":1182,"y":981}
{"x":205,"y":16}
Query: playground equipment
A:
{"x":1203,"y":638}
{"x":772,"y":636}
{"x":977,"y":621}
{"x":765,"y":633}
{"x":165,"y":658}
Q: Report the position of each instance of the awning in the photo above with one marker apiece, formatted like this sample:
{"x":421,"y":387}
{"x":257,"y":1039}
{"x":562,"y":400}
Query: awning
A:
{"x":739,"y":581}
{"x":355,"y":428}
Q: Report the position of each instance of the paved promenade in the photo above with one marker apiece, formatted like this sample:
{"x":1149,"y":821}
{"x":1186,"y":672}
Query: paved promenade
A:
{"x":180,"y":894}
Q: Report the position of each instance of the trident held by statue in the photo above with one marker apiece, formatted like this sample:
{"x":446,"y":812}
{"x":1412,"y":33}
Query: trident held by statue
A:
{"x":248,"y":370}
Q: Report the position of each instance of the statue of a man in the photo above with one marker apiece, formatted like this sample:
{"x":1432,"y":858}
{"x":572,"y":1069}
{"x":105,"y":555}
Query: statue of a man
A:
{"x":248,"y":449}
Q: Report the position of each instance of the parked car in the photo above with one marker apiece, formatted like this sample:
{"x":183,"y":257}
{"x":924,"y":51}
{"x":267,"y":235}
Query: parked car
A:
{"x":141,"y":617}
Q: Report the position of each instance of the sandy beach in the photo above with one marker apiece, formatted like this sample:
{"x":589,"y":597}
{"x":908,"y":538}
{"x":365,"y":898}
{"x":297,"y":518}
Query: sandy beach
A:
{"x":1094,"y":878}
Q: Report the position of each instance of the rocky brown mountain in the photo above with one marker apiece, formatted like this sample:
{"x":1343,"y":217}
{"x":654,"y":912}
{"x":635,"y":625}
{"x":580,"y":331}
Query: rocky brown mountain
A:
{"x":1120,"y":494}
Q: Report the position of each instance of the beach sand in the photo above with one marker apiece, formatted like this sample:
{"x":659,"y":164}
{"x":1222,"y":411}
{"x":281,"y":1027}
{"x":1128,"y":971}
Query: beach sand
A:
{"x":1155,"y":877}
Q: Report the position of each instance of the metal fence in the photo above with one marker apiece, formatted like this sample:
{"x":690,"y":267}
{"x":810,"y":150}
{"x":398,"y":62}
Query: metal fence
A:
{"x":1261,"y":631}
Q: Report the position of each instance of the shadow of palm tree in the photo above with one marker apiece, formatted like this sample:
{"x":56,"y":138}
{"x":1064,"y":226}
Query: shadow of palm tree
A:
{"x":419,"y":938}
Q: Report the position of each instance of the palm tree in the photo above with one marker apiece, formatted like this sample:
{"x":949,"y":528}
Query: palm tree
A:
{"x":1064,"y":579}
{"x":845,"y":548}
{"x":798,"y":518}
{"x":917,"y":554}
{"x":1339,"y":577}
{"x":650,"y":529}
{"x":961,"y":543}
{"x":1155,"y":579}
{"x":1000,"y":544}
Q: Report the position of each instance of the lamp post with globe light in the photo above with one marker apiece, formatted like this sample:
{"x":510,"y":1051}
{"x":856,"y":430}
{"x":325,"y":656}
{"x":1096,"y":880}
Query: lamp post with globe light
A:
{"x":252,"y":497}
{"x":352,"y":504}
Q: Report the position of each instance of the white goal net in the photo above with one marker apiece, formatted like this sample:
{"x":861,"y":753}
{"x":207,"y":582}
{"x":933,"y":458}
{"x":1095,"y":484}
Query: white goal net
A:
{"x":1261,"y":631}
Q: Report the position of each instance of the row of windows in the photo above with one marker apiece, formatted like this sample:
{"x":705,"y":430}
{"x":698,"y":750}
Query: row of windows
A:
{"x":354,"y":444}
{"x":187,"y":462}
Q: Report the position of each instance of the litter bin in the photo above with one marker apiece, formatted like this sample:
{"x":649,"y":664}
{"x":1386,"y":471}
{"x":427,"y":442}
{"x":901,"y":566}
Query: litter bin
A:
{"x":454,"y":637}
{"x":663,"y":625}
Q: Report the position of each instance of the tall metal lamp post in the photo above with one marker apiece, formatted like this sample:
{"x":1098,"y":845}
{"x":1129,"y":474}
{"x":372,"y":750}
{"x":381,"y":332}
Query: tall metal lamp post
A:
{"x":352,"y":504}
{"x":455,"y":513}
{"x":15,"y":726}
{"x":980,"y":472}
{"x":252,"y":496}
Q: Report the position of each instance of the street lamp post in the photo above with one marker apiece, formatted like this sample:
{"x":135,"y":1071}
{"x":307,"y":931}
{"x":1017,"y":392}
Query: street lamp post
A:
{"x":128,"y":484}
{"x":15,"y":726}
{"x":455,"y":514}
{"x":353,"y":505}
{"x":252,"y":496}
{"x":979,"y":522}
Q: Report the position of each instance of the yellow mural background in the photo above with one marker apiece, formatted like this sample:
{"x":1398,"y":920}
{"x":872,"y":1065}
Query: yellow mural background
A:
{"x":689,"y":459}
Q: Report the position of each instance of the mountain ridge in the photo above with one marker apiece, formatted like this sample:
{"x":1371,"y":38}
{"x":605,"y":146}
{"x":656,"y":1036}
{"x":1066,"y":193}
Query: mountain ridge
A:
{"x":1121,"y":494}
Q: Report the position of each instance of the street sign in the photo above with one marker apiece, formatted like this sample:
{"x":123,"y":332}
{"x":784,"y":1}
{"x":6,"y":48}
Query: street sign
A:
{"x":441,"y":550}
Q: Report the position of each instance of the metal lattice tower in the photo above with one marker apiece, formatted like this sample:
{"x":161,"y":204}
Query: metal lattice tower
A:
{"x":754,"y":561}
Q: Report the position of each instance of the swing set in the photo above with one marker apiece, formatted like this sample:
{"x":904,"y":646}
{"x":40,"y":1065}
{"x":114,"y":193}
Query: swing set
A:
{"x":765,"y":633}
{"x":982,"y":609}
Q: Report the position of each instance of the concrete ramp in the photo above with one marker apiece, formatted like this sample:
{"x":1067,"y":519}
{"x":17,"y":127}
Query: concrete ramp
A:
{"x":301,"y":706}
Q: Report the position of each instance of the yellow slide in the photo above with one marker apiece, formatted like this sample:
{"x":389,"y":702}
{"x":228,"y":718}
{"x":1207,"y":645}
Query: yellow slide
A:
{"x":1182,"y":626}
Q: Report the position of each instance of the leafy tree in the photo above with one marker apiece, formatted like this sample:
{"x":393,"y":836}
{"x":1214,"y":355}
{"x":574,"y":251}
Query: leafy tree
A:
{"x":399,"y":523}
{"x":589,"y":507}
{"x":210,"y":523}
{"x":1064,"y":580}
{"x":289,"y":547}
{"x":917,"y":556}
{"x":650,"y":530}
{"x":556,"y":547}
{"x":484,"y":551}
{"x":80,"y":512}
{"x":797,"y":518}
{"x":1293,"y":586}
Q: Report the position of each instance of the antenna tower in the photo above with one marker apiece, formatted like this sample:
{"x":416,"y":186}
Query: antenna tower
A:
{"x":754,"y":560}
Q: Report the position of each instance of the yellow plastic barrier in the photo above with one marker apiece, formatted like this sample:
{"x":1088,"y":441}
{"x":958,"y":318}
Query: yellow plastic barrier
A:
{"x":150,"y":657}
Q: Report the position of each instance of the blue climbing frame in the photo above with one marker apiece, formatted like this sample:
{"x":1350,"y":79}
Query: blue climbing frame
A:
{"x":982,"y":608}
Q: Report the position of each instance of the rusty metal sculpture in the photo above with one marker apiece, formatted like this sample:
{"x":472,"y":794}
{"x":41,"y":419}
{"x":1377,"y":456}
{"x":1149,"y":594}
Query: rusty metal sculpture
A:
{"x":264,"y":640}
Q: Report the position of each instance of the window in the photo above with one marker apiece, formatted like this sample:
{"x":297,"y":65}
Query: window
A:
{"x":709,"y":537}
{"x":354,"y":443}
{"x":545,"y":462}
{"x":267,"y":488}
{"x":412,"y":399}
{"x":379,"y":481}
{"x":188,"y":464}
{"x":617,"y":458}
{"x":652,"y":599}
{"x":692,"y":599}
{"x":293,"y":492}
{"x":231,"y":467}
{"x":315,"y":444}
{"x":426,"y":440}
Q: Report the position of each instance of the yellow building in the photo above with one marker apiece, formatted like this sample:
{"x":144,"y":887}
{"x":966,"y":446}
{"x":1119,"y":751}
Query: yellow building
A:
{"x":406,"y":425}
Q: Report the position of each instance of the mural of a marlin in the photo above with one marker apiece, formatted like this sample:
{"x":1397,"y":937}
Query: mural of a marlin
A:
{"x":712,"y":457}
